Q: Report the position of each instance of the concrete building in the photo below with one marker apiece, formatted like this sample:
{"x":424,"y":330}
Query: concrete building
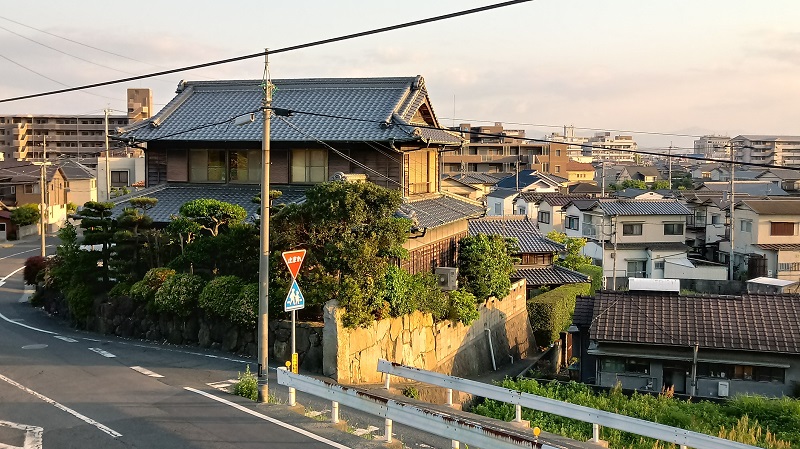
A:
{"x":126,"y":172}
{"x":767,"y":149}
{"x":717,"y":147}
{"x":22,"y":135}
{"x":493,"y":149}
{"x":575,"y":144}
{"x":607,"y":147}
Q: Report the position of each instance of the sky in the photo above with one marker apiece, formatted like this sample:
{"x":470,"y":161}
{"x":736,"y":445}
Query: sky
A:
{"x":662,"y":71}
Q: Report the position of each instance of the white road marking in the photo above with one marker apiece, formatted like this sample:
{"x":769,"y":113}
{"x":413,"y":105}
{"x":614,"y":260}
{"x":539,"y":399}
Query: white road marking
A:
{"x":269,"y":419}
{"x":3,"y":280}
{"x":25,"y":325}
{"x":67,"y":339}
{"x":92,"y":339}
{"x":26,"y":295}
{"x":223,"y":385}
{"x":33,"y":435}
{"x":102,"y":352}
{"x":55,"y":404}
{"x":211,"y":356}
{"x":145,"y":371}
{"x":23,"y":252}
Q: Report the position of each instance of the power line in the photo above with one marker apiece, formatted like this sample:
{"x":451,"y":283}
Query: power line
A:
{"x":280,"y":50}
{"x":541,"y":125}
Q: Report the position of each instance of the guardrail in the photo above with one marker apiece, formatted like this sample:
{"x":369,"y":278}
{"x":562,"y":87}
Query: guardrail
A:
{"x":455,"y":428}
{"x":684,"y":438}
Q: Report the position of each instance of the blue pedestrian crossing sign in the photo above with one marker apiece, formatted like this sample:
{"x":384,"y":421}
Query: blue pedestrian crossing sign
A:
{"x":294,"y":300}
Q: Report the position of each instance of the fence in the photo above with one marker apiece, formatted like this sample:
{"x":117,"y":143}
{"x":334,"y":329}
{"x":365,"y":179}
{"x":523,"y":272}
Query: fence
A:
{"x":457,"y":429}
{"x":685,"y":438}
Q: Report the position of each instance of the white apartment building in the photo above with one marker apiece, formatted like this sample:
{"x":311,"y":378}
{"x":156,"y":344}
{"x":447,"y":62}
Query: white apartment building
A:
{"x":606,"y":147}
{"x":767,"y":149}
{"x":575,"y":144}
{"x":717,"y":147}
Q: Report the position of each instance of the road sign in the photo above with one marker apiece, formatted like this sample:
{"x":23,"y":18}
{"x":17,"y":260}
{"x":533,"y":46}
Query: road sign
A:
{"x":293,"y":260}
{"x":294,"y":362}
{"x":294,"y":300}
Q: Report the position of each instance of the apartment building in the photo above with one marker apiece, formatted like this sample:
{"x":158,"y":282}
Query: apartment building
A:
{"x":717,"y":147}
{"x":575,"y":144}
{"x":608,"y":147}
{"x":767,"y":149}
{"x":766,"y":239}
{"x":22,"y":136}
{"x":494,"y":149}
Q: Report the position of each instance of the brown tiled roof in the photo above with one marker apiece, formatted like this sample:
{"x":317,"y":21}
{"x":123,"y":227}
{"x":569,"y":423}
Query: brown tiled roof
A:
{"x":773,"y":207}
{"x":752,"y":322}
{"x":780,"y":246}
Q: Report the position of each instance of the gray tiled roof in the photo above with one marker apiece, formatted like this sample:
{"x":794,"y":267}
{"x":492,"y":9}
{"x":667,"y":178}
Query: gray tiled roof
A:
{"x":554,"y":275}
{"x":559,"y":200}
{"x":75,"y":170}
{"x":441,"y":210}
{"x":584,"y":311}
{"x":650,"y":207}
{"x":525,"y":178}
{"x":24,"y":172}
{"x":479,"y":178}
{"x":172,"y":196}
{"x":365,"y":103}
{"x":502,"y":193}
{"x":752,"y":322}
{"x":527,"y":234}
{"x":752,"y":188}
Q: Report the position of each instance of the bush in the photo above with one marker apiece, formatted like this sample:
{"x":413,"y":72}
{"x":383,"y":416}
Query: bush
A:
{"x":33,"y":266}
{"x":551,"y":312}
{"x":463,"y":307}
{"x":25,"y":215}
{"x":145,"y":290}
{"x":596,"y":273}
{"x":80,"y":302}
{"x":121,"y":289}
{"x":219,"y":295}
{"x":179,"y":294}
{"x":244,"y":310}
{"x":247,"y":386}
{"x":485,"y":265}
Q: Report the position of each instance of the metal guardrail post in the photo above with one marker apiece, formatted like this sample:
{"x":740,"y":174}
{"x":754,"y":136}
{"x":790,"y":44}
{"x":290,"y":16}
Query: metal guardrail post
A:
{"x":517,"y":413}
{"x":292,"y":396}
{"x":388,"y":426}
{"x":449,"y":397}
{"x":334,"y":412}
{"x":595,"y":433}
{"x":387,"y":378}
{"x":455,"y":444}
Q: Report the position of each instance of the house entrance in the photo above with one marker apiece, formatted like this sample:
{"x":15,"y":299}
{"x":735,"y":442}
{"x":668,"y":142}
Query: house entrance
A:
{"x":675,"y":376}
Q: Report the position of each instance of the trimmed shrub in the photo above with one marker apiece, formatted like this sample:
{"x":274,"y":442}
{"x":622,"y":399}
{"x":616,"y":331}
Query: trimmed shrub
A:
{"x":80,"y":302}
{"x":463,"y":307}
{"x":219,"y":295}
{"x":33,"y":266}
{"x":179,"y":294}
{"x":596,"y":273}
{"x":25,"y":215}
{"x":121,"y":289}
{"x":485,"y":265}
{"x":429,"y":298}
{"x":551,"y":312}
{"x":145,"y":290}
{"x":244,"y":310}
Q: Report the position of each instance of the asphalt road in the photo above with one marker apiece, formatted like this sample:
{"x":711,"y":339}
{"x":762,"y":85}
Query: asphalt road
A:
{"x":60,"y":388}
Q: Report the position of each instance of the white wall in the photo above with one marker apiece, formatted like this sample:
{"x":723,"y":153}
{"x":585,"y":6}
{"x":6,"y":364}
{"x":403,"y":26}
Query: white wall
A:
{"x":133,"y":165}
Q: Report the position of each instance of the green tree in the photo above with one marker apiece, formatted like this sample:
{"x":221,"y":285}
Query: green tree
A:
{"x":633,"y":184}
{"x":126,"y":260}
{"x":98,"y":230}
{"x":25,"y":215}
{"x":184,"y":229}
{"x":660,"y":185}
{"x":572,"y":257}
{"x":213,"y":214}
{"x":485,"y":265}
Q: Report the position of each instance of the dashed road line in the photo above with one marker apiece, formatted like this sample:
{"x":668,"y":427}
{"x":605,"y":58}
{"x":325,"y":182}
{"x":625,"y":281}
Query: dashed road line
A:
{"x":269,"y":419}
{"x":59,"y":406}
{"x":102,"y":352}
{"x":145,"y":371}
{"x":67,"y":339}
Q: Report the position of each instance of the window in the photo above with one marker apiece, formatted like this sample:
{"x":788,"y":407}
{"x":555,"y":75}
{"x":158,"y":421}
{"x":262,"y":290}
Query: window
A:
{"x":558,"y":169}
{"x":558,"y":152}
{"x":636,"y":269}
{"x":715,"y":219}
{"x":207,"y":165}
{"x":498,"y":208}
{"x":309,"y":165}
{"x":673,"y":228}
{"x":544,"y":217}
{"x":245,"y":166}
{"x":119,"y":178}
{"x":632,"y":229}
{"x":781,"y":228}
{"x":31,"y":188}
{"x":546,"y":167}
{"x":659,"y":265}
{"x":746,"y":226}
{"x":572,"y":222}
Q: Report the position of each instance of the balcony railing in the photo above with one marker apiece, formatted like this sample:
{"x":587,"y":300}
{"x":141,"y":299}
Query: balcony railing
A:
{"x":589,"y":230}
{"x":695,"y":221}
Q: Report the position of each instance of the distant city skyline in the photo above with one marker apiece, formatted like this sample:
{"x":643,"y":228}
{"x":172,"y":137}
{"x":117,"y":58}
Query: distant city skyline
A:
{"x":681,"y":68}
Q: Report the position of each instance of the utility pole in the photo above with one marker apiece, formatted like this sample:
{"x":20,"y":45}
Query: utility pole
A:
{"x":614,"y":256}
{"x":669,"y":163}
{"x":43,"y":195}
{"x":108,"y":171}
{"x":732,"y":228}
{"x":263,"y":261}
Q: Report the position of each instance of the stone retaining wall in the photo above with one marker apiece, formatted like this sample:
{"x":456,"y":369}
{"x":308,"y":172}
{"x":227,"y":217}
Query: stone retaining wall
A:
{"x":351,"y":356}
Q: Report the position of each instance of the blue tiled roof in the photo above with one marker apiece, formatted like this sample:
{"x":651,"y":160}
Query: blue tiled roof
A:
{"x":526,"y":178}
{"x":554,"y":275}
{"x":364,"y":103}
{"x":655,"y":207}
{"x":502,"y":193}
{"x":527,"y":234}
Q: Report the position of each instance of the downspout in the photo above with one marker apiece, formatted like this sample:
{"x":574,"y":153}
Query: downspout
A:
{"x":694,"y":369}
{"x":491,"y":348}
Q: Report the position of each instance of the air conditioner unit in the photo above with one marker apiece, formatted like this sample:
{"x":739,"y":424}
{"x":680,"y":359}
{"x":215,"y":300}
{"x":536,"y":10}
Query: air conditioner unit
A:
{"x":723,"y":389}
{"x":447,"y":277}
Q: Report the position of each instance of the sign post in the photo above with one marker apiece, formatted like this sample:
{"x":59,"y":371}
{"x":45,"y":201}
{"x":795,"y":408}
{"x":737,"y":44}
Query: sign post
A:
{"x":294,"y":299}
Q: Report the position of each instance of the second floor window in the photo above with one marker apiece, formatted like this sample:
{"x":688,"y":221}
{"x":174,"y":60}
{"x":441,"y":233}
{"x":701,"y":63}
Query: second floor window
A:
{"x":119,"y":178}
{"x":572,"y":222}
{"x":746,"y":226}
{"x":673,"y":228}
{"x":544,"y":217}
{"x":781,"y":228}
{"x":309,"y":165}
{"x":632,"y":229}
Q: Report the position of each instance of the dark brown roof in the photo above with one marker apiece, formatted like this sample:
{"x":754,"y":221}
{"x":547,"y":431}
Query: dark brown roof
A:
{"x":773,"y":207}
{"x":752,"y":322}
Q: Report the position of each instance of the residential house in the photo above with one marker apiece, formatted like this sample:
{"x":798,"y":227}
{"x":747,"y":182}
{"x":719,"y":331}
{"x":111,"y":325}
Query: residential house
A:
{"x":126,"y":173}
{"x":483,"y":182}
{"x":536,"y":253}
{"x":633,"y":238}
{"x":766,"y":239}
{"x":751,"y":188}
{"x":458,"y":187}
{"x":784,"y":178}
{"x":531,"y":180}
{"x":588,"y":189}
{"x":648,"y":174}
{"x":81,"y":182}
{"x":22,"y":185}
{"x":637,"y":194}
{"x":526,"y":203}
{"x":383,"y":130}
{"x":500,"y":202}
{"x":579,"y":172}
{"x":699,"y":345}
{"x":550,"y":216}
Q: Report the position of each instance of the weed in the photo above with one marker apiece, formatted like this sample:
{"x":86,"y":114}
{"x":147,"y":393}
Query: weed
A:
{"x":411,"y":392}
{"x":247,"y":386}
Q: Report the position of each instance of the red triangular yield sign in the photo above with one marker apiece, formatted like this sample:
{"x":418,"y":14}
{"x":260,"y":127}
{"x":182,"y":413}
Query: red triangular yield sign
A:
{"x":293,"y":260}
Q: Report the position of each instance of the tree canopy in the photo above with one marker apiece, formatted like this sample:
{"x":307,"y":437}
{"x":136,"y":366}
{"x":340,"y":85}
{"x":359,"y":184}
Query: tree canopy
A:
{"x":572,"y":257}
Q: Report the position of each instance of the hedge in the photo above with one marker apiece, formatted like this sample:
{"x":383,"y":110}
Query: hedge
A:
{"x":219,"y":295}
{"x":551,"y":312}
{"x":179,"y":294}
{"x":596,"y":273}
